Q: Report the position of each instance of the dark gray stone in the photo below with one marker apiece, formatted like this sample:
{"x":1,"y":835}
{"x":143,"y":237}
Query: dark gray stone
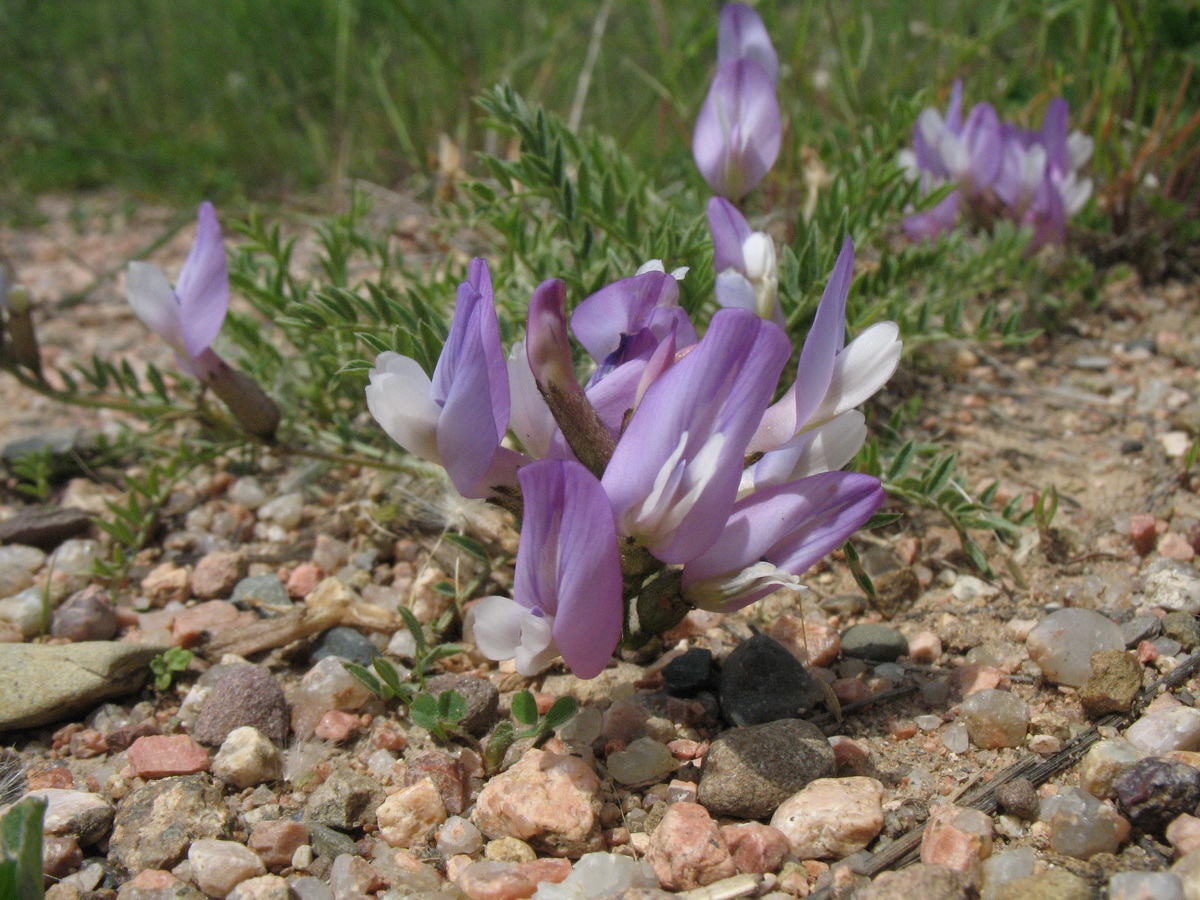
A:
{"x":156,"y":824}
{"x":749,"y":771}
{"x":1019,"y":798}
{"x":345,"y":801}
{"x":1154,"y":791}
{"x":329,"y":843}
{"x":483,"y":699}
{"x":44,"y":528}
{"x":247,"y":695}
{"x":687,"y":675}
{"x":761,"y":682}
{"x":1141,"y":628}
{"x":879,"y":643}
{"x":347,"y":643}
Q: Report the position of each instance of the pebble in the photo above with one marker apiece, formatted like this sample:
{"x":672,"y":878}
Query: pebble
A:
{"x":245,"y":695}
{"x":489,"y":880}
{"x":1145,"y":886}
{"x":995,"y":719}
{"x":1104,"y":763}
{"x":325,"y":842}
{"x":155,"y":884}
{"x":1142,"y":627}
{"x":687,"y":849}
{"x":155,"y":824}
{"x":303,"y":581}
{"x":1154,"y":791}
{"x":86,"y":615}
{"x":1182,"y":627}
{"x":955,"y":738}
{"x":286,"y":511}
{"x":1082,"y":826}
{"x":407,"y":816}
{"x":601,"y":875}
{"x":246,"y":758}
{"x":1053,"y":884}
{"x":756,"y":848}
{"x":60,"y":856}
{"x":337,"y":726}
{"x":217,"y":573}
{"x":1062,"y":644}
{"x":161,"y":756}
{"x":548,"y":800}
{"x":325,"y":686}
{"x":812,"y":643}
{"x":1161,"y":730}
{"x":748,"y":772}
{"x":25,"y":610}
{"x":689,"y":673}
{"x":1187,"y":868}
{"x":264,"y":887}
{"x":832,"y":817}
{"x":309,"y":888}
{"x":345,"y":643}
{"x":483,"y":699}
{"x":345,"y":801}
{"x":509,"y":849}
{"x":1018,"y":798}
{"x":84,"y":816}
{"x":645,"y":761}
{"x":747,"y":699}
{"x":259,"y":591}
{"x":919,"y":880}
{"x":166,"y":583}
{"x":351,"y":877}
{"x":958,"y":838}
{"x":1173,"y":586}
{"x":1184,"y":834}
{"x":1112,"y":684}
{"x":1001,"y":868}
{"x":220,"y":866}
{"x":1175,"y":546}
{"x":276,"y":841}
{"x":925,"y":648}
{"x":458,"y":835}
{"x":74,"y":557}
{"x":880,"y":643}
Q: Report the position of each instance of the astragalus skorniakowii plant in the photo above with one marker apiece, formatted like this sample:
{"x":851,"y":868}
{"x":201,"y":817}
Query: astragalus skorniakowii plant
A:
{"x":670,"y":477}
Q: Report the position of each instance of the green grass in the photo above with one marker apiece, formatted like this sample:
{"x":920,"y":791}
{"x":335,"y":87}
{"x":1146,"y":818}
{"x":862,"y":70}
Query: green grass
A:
{"x":260,"y":97}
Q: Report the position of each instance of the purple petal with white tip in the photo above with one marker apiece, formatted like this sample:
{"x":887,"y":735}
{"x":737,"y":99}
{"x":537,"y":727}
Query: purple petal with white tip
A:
{"x":739,"y":129}
{"x":729,"y":232}
{"x":203,"y":285}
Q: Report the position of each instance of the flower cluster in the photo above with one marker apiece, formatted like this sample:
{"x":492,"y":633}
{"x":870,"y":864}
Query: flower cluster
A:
{"x":1000,"y":170}
{"x":189,"y":318}
{"x":668,"y":473}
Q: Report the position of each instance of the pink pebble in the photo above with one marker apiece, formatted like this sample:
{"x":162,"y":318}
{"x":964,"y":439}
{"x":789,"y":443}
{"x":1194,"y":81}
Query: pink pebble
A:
{"x":1143,"y":532}
{"x":1175,"y":546}
{"x":158,"y":756}
{"x":925,"y":648}
{"x":337,"y":726}
{"x":302,"y":580}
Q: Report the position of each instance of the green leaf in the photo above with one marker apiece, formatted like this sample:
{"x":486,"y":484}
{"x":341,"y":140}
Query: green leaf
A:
{"x":387,"y":674}
{"x":857,"y":570}
{"x":560,"y":713}
{"x":469,"y":546}
{"x":524,"y":708}
{"x":414,"y":627}
{"x":369,"y":681}
{"x":452,"y":707}
{"x":424,"y":712}
{"x":902,"y":461}
{"x":21,"y":851}
{"x":497,"y":745}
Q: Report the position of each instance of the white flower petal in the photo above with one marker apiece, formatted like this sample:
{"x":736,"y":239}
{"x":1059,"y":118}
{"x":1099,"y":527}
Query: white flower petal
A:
{"x":399,"y":399}
{"x":153,"y":301}
{"x":860,"y":370}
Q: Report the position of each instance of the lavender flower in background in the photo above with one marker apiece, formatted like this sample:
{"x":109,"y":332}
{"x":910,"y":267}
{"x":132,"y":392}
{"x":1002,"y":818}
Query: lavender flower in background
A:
{"x":567,"y":587}
{"x":744,"y":259}
{"x":459,"y":417}
{"x":739,"y":129}
{"x":999,"y":170}
{"x":189,"y":318}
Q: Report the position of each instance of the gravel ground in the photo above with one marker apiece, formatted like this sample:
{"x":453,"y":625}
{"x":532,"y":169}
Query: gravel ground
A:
{"x":338,"y":794}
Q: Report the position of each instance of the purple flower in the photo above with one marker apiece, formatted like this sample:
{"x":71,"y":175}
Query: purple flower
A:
{"x":675,"y":473}
{"x":744,"y":259}
{"x":567,"y":588}
{"x":739,"y":130}
{"x":741,"y":34}
{"x":775,"y":535}
{"x":459,"y":417}
{"x":831,"y":379}
{"x":190,"y":317}
{"x":607,"y":322}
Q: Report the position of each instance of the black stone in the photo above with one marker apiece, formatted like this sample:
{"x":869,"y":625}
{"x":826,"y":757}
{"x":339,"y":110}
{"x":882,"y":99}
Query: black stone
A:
{"x":879,"y":643}
{"x":347,"y":643}
{"x":761,"y":682}
{"x":1154,"y":791}
{"x":687,"y":675}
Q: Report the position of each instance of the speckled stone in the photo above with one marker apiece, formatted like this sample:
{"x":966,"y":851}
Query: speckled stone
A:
{"x":1154,"y":791}
{"x":1113,"y":683}
{"x":1182,"y":627}
{"x":156,"y":824}
{"x":246,"y":695}
{"x":345,"y":800}
{"x":1053,"y":884}
{"x":926,"y":882}
{"x":879,"y":643}
{"x":749,"y":771}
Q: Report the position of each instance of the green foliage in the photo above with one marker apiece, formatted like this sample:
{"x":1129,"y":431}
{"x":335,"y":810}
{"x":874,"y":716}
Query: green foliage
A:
{"x":167,"y":664}
{"x":540,"y":728}
{"x":440,"y":715}
{"x":33,"y":472}
{"x":21,"y":850}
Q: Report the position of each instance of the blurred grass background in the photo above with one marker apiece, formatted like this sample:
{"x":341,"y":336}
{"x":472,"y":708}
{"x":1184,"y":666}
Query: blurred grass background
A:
{"x":261,"y":98}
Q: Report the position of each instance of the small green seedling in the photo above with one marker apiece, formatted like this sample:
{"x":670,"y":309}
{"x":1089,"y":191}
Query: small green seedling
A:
{"x":540,"y":728}
{"x":167,"y":664}
{"x":439,"y":716}
{"x":21,"y":851}
{"x":385,"y":682}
